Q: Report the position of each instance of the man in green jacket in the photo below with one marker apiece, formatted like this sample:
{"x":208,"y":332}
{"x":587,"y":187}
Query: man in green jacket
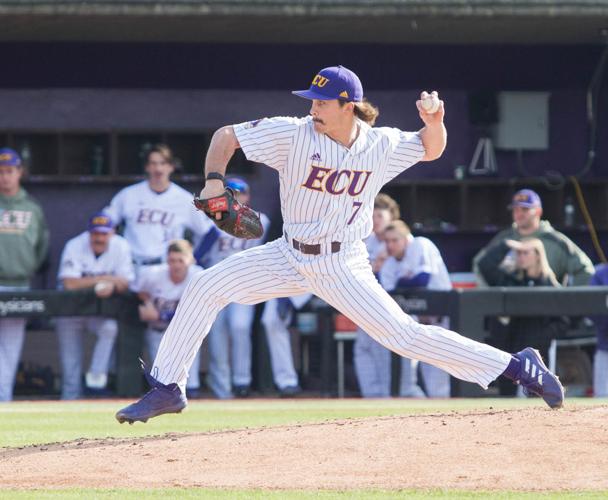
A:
{"x":24,"y":241}
{"x":569,"y":263}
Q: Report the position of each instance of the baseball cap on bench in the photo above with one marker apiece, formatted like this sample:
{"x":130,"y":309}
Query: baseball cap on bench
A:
{"x":335,"y":82}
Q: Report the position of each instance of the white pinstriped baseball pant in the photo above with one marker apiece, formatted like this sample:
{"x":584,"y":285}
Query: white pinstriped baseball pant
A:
{"x":345,"y":281}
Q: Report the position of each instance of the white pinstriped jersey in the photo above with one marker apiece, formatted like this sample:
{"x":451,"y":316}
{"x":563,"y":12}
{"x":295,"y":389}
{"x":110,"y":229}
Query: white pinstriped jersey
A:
{"x":156,"y":282}
{"x":153,"y":219}
{"x":226,"y":245}
{"x":79,"y":261}
{"x":327,"y":191}
{"x":421,"y":256}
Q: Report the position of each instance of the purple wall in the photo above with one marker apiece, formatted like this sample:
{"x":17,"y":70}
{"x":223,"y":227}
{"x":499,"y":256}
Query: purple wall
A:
{"x":97,"y":109}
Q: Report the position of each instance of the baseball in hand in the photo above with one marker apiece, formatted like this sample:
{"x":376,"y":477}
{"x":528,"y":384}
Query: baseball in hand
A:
{"x":104,"y":289}
{"x":430,"y":102}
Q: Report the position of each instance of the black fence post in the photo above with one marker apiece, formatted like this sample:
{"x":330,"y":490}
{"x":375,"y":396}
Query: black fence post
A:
{"x":327,"y":350}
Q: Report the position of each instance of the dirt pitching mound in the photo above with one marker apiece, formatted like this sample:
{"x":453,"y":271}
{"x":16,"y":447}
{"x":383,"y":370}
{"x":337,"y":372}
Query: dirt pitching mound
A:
{"x":529,"y":449}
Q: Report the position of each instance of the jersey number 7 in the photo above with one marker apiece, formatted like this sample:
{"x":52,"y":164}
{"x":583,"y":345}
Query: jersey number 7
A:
{"x":356,"y":208}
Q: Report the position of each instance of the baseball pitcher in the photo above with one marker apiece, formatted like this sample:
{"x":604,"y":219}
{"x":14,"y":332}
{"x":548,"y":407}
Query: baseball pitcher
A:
{"x":331,"y":165}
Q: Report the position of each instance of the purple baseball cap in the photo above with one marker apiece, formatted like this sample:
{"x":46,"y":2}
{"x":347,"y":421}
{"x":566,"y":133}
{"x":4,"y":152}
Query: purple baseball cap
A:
{"x":100,"y":223}
{"x":335,"y":82}
{"x":526,"y":198}
{"x":9,"y":158}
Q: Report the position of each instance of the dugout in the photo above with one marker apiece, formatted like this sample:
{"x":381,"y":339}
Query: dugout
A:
{"x":467,"y":309}
{"x":86,"y":85}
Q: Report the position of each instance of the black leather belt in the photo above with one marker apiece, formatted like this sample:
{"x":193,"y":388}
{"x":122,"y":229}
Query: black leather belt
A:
{"x":314,"y":249}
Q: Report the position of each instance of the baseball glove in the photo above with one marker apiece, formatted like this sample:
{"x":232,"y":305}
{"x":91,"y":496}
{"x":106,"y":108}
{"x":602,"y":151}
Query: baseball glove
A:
{"x":235,"y":219}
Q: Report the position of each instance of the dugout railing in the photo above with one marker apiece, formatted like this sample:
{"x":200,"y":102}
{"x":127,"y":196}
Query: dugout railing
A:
{"x":123,"y":308}
{"x":467,"y":310}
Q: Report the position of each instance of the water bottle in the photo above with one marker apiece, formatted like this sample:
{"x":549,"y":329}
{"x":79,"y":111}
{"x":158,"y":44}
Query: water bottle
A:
{"x":569,"y":213}
{"x":459,"y":171}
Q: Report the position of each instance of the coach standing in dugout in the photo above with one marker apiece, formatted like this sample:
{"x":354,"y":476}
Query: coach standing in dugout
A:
{"x":24,"y":243}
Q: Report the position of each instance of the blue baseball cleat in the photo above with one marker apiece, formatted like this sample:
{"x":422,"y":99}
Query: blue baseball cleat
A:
{"x":535,"y":378}
{"x":160,"y":399}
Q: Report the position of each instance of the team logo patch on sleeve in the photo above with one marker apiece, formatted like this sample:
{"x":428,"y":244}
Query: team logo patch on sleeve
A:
{"x":253,"y":124}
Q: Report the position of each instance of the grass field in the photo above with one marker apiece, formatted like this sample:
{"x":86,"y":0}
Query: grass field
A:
{"x":30,"y":423}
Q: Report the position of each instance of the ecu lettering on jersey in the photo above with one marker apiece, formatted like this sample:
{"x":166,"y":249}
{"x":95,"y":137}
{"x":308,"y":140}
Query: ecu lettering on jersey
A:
{"x":327,"y":190}
{"x":153,"y":219}
{"x":152,"y":216}
{"x":337,"y":181}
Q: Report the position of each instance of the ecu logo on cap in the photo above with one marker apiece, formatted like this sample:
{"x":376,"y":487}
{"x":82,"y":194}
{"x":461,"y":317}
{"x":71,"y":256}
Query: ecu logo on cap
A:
{"x":5,"y":157}
{"x":100,"y":220}
{"x":320,"y":81}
